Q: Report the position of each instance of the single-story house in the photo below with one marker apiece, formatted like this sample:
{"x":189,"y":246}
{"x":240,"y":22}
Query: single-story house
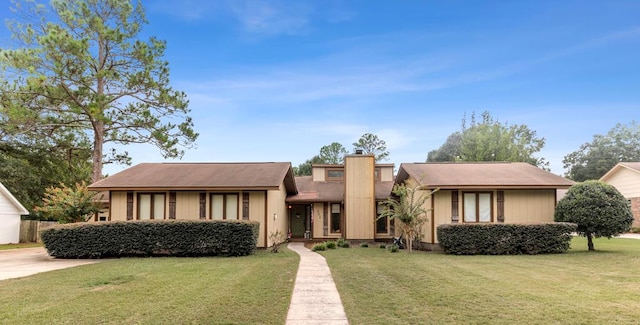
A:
{"x":336,"y":201}
{"x":625,"y":177}
{"x":10,"y":212}
{"x":484,"y":192}
{"x":222,"y":191}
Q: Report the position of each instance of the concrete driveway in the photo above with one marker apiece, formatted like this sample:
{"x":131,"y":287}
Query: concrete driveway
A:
{"x":630,"y":236}
{"x":15,"y":263}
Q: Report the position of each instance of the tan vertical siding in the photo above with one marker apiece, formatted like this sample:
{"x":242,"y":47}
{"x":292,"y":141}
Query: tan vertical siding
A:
{"x":426,"y":229}
{"x":359,"y":197}
{"x":188,"y":205}
{"x":386,"y":174}
{"x":441,"y":212}
{"x":119,"y":206}
{"x":257,"y":205}
{"x":275,"y":204}
{"x":318,"y":174}
{"x":318,"y":215}
{"x":626,"y":181}
{"x":529,"y":206}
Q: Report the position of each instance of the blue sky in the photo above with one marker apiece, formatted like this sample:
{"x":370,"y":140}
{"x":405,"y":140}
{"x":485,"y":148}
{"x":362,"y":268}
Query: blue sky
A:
{"x":277,"y":80}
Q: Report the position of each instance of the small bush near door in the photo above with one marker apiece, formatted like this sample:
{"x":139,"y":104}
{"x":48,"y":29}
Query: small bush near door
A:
{"x":319,"y":247}
{"x":505,"y":239}
{"x":341,"y":242}
{"x":151,"y":238}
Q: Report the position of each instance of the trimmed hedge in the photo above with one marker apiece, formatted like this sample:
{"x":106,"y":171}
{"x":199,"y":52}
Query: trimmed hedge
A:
{"x":151,"y":238}
{"x":505,"y":239}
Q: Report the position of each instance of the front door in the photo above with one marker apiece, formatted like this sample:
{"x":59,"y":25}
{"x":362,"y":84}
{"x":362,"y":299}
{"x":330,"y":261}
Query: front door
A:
{"x":298,"y":221}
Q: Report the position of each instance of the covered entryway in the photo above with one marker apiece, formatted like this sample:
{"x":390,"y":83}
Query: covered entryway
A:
{"x":300,"y":221}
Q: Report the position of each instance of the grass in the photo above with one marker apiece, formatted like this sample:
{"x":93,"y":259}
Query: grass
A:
{"x":21,"y":245}
{"x":254,"y":289}
{"x":578,"y":287}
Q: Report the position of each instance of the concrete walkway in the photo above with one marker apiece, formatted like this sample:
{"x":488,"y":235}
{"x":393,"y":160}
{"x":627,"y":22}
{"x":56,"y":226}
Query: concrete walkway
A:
{"x":315,"y":298}
{"x":630,"y":236}
{"x":19,"y":262}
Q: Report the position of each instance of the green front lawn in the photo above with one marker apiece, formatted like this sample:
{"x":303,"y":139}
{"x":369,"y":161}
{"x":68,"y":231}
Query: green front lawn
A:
{"x":580,"y":287}
{"x":238,"y":290}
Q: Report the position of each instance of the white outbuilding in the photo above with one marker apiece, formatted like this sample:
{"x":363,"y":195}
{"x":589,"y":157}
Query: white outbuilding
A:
{"x":10,"y":212}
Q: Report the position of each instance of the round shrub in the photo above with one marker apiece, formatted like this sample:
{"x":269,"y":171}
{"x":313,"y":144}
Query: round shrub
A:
{"x":597,"y":208}
{"x":330,"y":245}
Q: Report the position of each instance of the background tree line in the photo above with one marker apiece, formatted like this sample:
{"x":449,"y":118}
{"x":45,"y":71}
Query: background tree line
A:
{"x":488,"y":139}
{"x":334,"y":153}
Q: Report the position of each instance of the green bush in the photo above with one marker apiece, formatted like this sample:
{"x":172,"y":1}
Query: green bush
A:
{"x":341,"y":242}
{"x":383,"y":246}
{"x":393,"y":248}
{"x":364,"y":244}
{"x":151,"y":238}
{"x":505,"y":239}
{"x":319,"y":247}
{"x":597,"y":208}
{"x":330,"y":245}
{"x":635,"y":230}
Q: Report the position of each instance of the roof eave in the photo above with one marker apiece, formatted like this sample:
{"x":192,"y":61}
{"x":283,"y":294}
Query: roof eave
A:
{"x":184,"y":188}
{"x":290,"y":181}
{"x":615,"y":169}
{"x":501,"y":187}
{"x":21,"y":209}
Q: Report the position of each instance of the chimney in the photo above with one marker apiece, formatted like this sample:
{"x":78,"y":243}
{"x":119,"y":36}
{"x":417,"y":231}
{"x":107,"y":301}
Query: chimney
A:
{"x":358,"y":151}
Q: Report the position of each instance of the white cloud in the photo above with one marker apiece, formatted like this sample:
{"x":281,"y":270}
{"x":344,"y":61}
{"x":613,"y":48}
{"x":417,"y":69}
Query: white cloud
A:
{"x":271,"y":18}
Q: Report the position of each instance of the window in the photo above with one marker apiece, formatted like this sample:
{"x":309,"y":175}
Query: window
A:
{"x":335,"y":174}
{"x":381,"y":223}
{"x":224,"y":206}
{"x":335,"y":217}
{"x":376,"y":174}
{"x":150,"y":206}
{"x":477,"y":207}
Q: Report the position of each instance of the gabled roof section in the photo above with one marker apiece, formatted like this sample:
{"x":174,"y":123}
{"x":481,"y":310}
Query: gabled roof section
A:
{"x":21,"y":209}
{"x":342,"y":165}
{"x":194,"y":176}
{"x":310,"y":191}
{"x":633,"y":166}
{"x":481,"y":175}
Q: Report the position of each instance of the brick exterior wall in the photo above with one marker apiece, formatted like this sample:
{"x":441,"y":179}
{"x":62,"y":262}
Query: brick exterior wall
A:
{"x":635,"y":208}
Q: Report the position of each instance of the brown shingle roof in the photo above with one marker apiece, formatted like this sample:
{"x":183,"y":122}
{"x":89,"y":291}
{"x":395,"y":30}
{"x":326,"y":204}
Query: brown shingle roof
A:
{"x":481,"y":174}
{"x":310,"y":191}
{"x":201,"y":176}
